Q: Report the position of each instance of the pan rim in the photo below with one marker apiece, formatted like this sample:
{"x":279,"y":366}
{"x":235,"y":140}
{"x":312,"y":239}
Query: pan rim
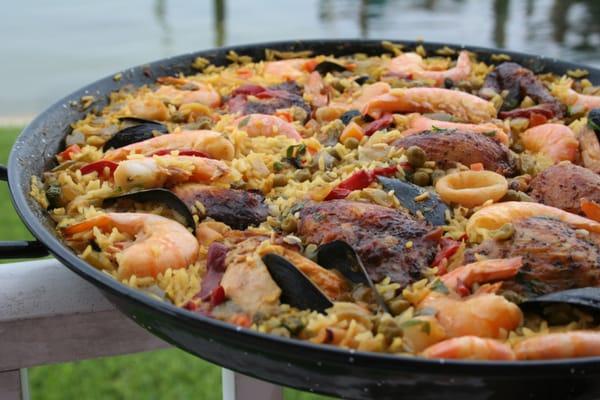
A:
{"x":325,"y":352}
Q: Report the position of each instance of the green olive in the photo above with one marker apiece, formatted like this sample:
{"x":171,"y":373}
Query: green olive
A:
{"x":53,"y":194}
{"x":416,"y":156}
{"x":302,"y":175}
{"x":505,"y":232}
{"x":421,"y":178}
{"x":280,"y":180}
{"x":289,"y":224}
{"x":351,"y":143}
{"x":436,"y":175}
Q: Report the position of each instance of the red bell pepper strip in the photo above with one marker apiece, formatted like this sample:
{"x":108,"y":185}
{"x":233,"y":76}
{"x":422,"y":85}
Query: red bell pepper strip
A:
{"x":536,"y":119}
{"x":448,"y":247}
{"x":246,"y":90}
{"x":377,"y":125}
{"x":543,"y":109}
{"x":217,"y":296}
{"x":67,"y":153}
{"x":215,"y":268}
{"x":193,"y":153}
{"x":99,"y":166}
{"x":359,"y":180}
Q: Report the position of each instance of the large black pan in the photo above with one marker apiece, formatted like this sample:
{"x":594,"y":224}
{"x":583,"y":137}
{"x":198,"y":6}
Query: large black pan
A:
{"x":283,"y":361}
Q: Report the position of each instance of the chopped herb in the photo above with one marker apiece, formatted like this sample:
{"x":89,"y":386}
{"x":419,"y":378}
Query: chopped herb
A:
{"x":244,"y":122}
{"x":438,"y":286}
{"x":490,"y":133}
{"x":277,"y":166}
{"x":437,"y":129}
{"x":294,"y":154}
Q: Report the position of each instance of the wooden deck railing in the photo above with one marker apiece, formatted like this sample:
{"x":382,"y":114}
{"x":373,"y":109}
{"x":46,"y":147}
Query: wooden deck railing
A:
{"x":50,"y":315}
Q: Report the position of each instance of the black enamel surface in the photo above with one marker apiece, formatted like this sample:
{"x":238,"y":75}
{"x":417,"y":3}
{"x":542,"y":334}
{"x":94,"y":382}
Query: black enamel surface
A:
{"x":293,"y":363}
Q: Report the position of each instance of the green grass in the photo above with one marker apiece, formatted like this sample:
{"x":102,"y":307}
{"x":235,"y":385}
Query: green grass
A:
{"x":163,"y":374}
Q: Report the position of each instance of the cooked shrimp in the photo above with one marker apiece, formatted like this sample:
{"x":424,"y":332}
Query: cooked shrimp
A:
{"x":148,"y":107}
{"x":494,"y":216}
{"x":464,"y":106}
{"x":470,"y":348}
{"x":482,"y":314}
{"x":419,"y":123}
{"x":583,"y":100}
{"x":160,"y":243}
{"x":314,"y":88}
{"x":214,"y":144}
{"x":554,"y":140}
{"x":291,"y":69}
{"x":482,"y":271}
{"x":153,"y":172}
{"x":411,"y":66}
{"x":267,"y":125}
{"x":590,"y":148}
{"x":183,"y":91}
{"x":559,"y":345}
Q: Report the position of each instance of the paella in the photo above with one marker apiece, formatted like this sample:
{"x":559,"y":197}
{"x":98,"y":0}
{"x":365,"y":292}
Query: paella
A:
{"x":418,"y":203}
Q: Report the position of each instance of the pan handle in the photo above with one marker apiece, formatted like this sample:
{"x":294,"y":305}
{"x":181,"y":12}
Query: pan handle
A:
{"x":19,"y":248}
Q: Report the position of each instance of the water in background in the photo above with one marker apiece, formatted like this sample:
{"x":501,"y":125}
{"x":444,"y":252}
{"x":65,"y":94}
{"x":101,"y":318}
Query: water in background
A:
{"x":50,"y":48}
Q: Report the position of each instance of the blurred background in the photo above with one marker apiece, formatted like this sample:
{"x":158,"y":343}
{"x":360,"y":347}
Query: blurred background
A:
{"x":50,"y":48}
{"x":57,"y":46}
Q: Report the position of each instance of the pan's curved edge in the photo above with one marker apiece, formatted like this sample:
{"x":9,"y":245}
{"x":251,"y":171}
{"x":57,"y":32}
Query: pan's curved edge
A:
{"x":43,"y":133}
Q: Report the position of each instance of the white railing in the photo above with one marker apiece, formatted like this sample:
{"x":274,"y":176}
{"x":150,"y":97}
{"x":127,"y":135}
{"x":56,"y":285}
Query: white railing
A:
{"x":50,"y":315}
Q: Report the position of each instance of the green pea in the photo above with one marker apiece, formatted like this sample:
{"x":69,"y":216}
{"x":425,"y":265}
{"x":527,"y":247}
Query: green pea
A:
{"x":352,"y":143}
{"x":279,"y":180}
{"x":416,"y":156}
{"x":302,"y":175}
{"x":421,"y":178}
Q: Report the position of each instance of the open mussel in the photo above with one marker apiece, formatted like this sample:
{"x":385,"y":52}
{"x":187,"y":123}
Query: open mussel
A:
{"x":140,"y":131}
{"x":162,"y":196}
{"x":340,"y":256}
{"x":327,"y":66}
{"x":296,"y":289}
{"x":588,"y":297}
{"x":415,"y":199}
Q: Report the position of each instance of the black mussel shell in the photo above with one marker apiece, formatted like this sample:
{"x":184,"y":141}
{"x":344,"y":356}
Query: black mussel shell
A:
{"x":349,"y":116}
{"x":588,"y":297}
{"x":432,"y":208}
{"x":296,"y":289}
{"x":594,"y":120}
{"x":136,"y":133}
{"x":361,"y":79}
{"x":326,"y":66}
{"x":162,"y":196}
{"x":341,"y":256}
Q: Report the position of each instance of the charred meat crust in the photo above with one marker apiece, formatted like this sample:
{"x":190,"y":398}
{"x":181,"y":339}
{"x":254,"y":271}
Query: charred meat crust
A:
{"x":389,"y":242}
{"x":237,"y":208}
{"x":447,"y":147}
{"x":555,"y":256}
{"x":563,"y":185}
{"x":520,"y":82}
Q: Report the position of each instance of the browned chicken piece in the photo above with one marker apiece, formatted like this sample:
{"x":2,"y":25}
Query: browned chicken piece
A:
{"x":590,"y":148}
{"x":447,"y":147}
{"x":247,"y":281}
{"x":564,"y":185}
{"x":236,"y":208}
{"x":390,"y":242}
{"x":555,"y":256}
{"x":519,"y":82}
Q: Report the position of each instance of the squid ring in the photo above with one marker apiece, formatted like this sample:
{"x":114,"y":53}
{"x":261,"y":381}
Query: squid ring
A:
{"x":472,"y":188}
